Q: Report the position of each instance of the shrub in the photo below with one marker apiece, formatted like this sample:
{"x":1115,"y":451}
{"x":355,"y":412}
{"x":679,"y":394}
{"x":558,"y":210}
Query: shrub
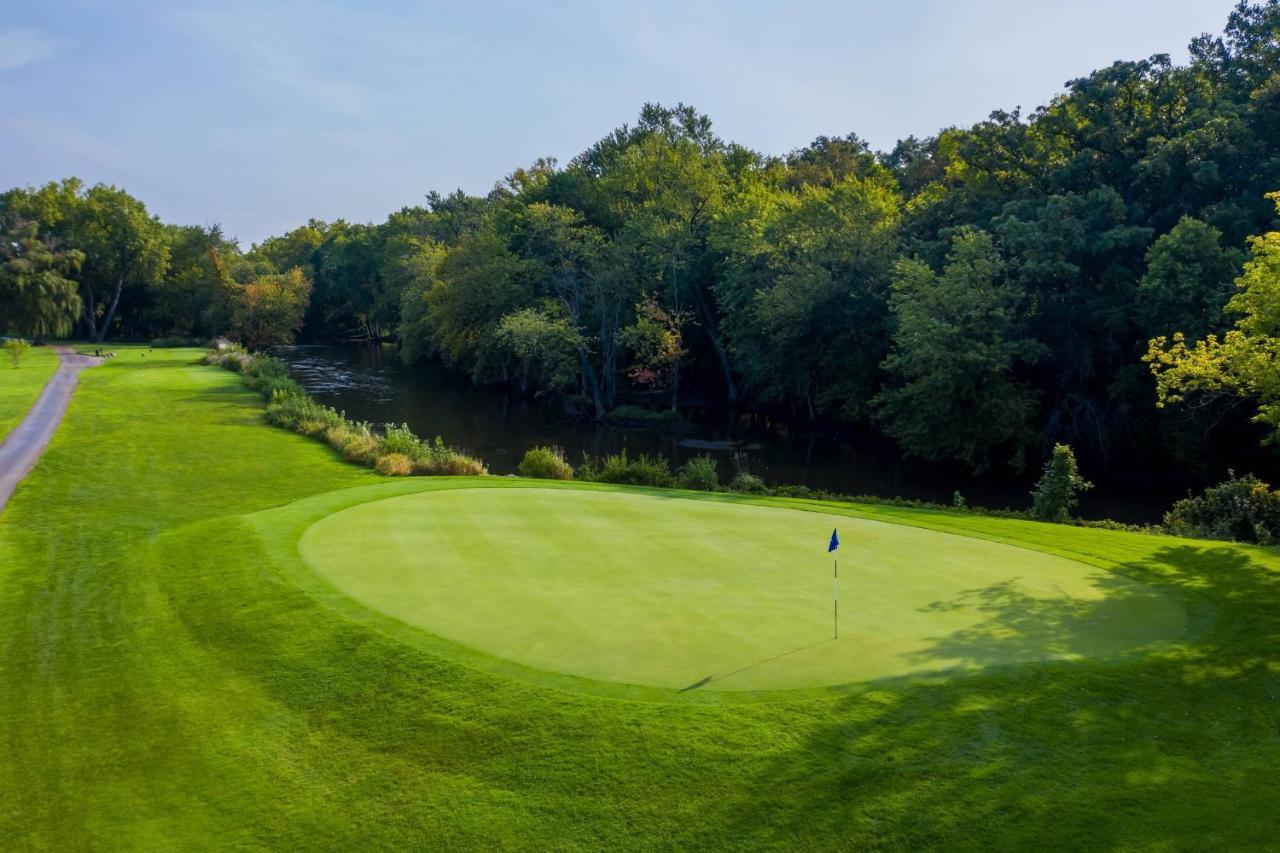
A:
{"x":451,"y":463}
{"x":268,"y":374}
{"x":394,"y":465}
{"x":1243,"y":509}
{"x":16,"y":348}
{"x":438,"y":459}
{"x":1056,"y":493}
{"x":641,"y":471}
{"x":700,"y":472}
{"x":401,"y":440}
{"x":355,"y":441}
{"x":745,"y":481}
{"x":232,"y":358}
{"x":295,"y":410}
{"x":546,"y":463}
{"x":794,"y":492}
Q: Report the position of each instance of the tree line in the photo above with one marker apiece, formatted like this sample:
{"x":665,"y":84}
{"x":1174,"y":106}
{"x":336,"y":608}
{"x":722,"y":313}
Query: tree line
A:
{"x":978,"y":295}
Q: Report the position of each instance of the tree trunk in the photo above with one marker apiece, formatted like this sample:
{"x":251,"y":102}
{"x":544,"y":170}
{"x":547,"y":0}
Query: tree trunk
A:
{"x":90,"y":313}
{"x":675,"y":385}
{"x":609,"y":360}
{"x":713,"y":335}
{"x":111,"y":312}
{"x":589,"y":376}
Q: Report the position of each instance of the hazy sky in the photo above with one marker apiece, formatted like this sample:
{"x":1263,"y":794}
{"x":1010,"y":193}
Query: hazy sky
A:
{"x":260,"y":115}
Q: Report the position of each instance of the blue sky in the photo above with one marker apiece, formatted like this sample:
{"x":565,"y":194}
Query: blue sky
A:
{"x":260,"y":115}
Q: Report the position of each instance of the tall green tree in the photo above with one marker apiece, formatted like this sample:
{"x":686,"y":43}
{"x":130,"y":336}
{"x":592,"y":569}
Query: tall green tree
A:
{"x":123,"y":245}
{"x":959,"y":343}
{"x":194,"y":297}
{"x":803,"y":285}
{"x":463,"y":293}
{"x":268,"y":311}
{"x":1244,"y":362}
{"x":1188,"y":281}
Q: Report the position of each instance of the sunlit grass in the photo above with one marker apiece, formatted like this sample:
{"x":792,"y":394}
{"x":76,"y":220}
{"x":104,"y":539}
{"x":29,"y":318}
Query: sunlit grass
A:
{"x":19,"y":387}
{"x":170,"y":680}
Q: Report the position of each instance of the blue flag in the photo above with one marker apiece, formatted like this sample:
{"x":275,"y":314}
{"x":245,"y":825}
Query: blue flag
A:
{"x":835,"y":542}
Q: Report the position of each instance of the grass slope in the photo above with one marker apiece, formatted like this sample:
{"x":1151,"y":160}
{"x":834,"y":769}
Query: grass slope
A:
{"x":167,"y":681}
{"x":20,"y":387}
{"x":646,"y":589}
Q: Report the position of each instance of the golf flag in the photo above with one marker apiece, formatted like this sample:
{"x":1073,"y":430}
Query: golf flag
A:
{"x":835,"y":584}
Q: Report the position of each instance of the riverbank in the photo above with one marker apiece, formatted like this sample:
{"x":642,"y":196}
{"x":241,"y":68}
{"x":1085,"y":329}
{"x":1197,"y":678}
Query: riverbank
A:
{"x":370,"y":383}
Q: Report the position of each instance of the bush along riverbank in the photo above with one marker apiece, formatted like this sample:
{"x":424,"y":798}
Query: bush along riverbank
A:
{"x":1241,"y":509}
{"x":393,"y":450}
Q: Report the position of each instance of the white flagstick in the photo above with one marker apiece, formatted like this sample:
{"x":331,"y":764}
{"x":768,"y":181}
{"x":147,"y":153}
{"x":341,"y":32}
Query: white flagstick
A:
{"x":835,"y":594}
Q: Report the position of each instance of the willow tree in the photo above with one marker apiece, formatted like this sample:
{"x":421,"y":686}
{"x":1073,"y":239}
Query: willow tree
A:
{"x":39,"y":295}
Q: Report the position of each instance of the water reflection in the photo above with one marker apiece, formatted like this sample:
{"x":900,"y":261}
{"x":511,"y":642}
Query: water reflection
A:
{"x":370,"y":383}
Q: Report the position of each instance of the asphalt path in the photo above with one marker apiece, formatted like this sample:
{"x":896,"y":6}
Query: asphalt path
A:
{"x":26,"y":442}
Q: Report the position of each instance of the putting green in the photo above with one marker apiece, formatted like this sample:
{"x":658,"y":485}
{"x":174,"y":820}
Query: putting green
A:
{"x":671,"y":592}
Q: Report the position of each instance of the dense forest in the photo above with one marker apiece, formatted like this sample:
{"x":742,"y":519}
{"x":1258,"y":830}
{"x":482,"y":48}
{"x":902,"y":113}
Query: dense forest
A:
{"x":978,"y":295}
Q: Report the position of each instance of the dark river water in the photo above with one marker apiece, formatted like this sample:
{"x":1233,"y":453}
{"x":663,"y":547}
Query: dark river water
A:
{"x":371,"y":384}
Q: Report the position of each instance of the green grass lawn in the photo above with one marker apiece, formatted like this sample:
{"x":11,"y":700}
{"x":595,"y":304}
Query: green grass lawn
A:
{"x":173,"y":675}
{"x":20,"y":386}
{"x":651,"y":590}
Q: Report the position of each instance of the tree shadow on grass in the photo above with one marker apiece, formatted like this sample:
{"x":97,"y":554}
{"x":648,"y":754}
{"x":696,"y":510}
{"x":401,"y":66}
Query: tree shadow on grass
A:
{"x":1016,"y":626}
{"x":1176,"y":750}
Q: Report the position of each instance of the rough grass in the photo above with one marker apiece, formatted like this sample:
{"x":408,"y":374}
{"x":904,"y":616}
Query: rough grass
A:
{"x":20,"y":387}
{"x":167,"y":683}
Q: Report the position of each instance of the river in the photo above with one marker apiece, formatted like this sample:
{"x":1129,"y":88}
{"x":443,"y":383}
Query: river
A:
{"x":371,"y":384}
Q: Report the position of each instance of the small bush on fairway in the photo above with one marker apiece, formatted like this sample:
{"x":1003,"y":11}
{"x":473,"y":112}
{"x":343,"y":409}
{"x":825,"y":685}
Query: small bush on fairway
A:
{"x":699,"y":473}
{"x":394,"y":465}
{"x":1242,"y":508}
{"x":546,"y":463}
{"x":618,"y":468}
{"x":1058,"y":490}
{"x":16,"y":348}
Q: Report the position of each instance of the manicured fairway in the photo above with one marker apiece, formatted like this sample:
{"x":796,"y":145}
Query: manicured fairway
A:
{"x":19,"y":387}
{"x":667,"y":592}
{"x":173,"y":676}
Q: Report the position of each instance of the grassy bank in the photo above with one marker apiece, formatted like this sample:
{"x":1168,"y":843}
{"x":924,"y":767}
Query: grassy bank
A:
{"x":20,"y":387}
{"x":167,"y":681}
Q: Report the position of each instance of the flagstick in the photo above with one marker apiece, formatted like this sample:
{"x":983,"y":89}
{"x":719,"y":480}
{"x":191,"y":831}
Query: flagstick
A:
{"x":835,"y":596}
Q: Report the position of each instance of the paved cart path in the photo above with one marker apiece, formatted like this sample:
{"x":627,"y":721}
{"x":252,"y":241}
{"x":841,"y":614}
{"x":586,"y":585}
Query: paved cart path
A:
{"x":22,"y":447}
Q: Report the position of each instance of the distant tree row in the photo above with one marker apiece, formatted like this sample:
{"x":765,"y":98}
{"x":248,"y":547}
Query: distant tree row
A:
{"x":978,"y":295}
{"x":91,"y":261}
